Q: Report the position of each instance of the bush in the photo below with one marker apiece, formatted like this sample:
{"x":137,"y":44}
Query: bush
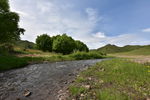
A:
{"x":44,"y":42}
{"x":85,"y":55}
{"x":80,"y":46}
{"x":64,"y":44}
{"x":6,"y":49}
{"x":60,"y":44}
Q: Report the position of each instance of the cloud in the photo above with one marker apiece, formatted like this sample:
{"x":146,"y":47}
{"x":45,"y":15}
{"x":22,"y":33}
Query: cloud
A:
{"x":93,"y":15}
{"x":100,"y":39}
{"x":20,"y":12}
{"x":146,"y":30}
{"x":52,"y":17}
{"x":99,"y":35}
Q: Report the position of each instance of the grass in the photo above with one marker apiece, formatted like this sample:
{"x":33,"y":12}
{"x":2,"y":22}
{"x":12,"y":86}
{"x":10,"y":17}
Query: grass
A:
{"x":141,"y":51}
{"x":76,"y":90}
{"x":115,"y":49}
{"x":116,"y":79}
{"x":9,"y":62}
{"x":86,"y":55}
{"x":12,"y":62}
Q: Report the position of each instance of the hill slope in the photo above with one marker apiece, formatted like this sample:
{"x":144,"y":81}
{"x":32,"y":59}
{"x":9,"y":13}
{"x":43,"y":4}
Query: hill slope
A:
{"x":128,"y":48}
{"x":25,"y":44}
{"x":141,"y":51}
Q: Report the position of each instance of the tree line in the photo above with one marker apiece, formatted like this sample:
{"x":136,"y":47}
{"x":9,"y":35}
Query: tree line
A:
{"x":60,"y":44}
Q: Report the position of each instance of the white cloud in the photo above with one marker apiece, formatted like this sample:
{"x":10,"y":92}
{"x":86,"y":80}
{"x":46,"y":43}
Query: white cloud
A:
{"x":146,"y":30}
{"x":53,"y":17}
{"x":20,"y":12}
{"x":99,"y":35}
{"x":93,"y":15}
{"x":100,"y":39}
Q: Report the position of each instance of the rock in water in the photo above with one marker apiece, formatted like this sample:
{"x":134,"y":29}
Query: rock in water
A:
{"x":27,"y":93}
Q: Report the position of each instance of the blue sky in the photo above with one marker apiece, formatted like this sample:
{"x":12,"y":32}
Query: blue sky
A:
{"x":95,"y":22}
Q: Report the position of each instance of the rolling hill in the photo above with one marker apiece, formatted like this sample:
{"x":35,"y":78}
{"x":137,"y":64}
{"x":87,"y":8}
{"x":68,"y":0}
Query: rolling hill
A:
{"x":141,"y":51}
{"x":25,"y":44}
{"x":131,"y":49}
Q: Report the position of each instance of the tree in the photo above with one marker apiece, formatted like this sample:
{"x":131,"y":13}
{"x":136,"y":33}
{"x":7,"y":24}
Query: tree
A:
{"x":44,"y":42}
{"x":55,"y":37}
{"x":63,"y":44}
{"x":9,"y":28}
{"x":80,"y":46}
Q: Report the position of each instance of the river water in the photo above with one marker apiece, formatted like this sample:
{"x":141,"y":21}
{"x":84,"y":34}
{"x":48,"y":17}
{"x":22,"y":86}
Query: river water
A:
{"x":42,"y":80}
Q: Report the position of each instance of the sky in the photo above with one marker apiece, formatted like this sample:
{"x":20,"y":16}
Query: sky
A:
{"x":94,"y":22}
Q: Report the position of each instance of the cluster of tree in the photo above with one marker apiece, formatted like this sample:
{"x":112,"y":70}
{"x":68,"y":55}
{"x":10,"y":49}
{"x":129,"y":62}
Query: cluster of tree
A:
{"x":9,"y":28}
{"x":59,"y":44}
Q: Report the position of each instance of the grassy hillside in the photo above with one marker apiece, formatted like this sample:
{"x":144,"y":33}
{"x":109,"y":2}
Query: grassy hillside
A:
{"x":115,"y":49}
{"x":24,"y":44}
{"x":109,"y":49}
{"x":141,"y":51}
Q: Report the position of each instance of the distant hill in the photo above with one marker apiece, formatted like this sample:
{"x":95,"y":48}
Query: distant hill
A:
{"x":115,"y":49}
{"x":141,"y":51}
{"x":25,"y":44}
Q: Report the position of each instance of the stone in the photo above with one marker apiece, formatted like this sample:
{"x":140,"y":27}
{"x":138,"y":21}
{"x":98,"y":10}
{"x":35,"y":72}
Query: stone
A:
{"x":18,"y":99}
{"x":89,"y":78}
{"x":148,"y":99}
{"x":27,"y":93}
{"x":66,"y":82}
{"x":101,"y":81}
{"x":82,"y":95}
{"x":70,"y":74}
{"x":87,"y":86}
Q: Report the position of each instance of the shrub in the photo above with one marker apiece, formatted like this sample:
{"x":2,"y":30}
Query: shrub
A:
{"x":44,"y":42}
{"x":85,"y":55}
{"x":6,"y":48}
{"x":63,"y":44}
{"x":80,"y":46}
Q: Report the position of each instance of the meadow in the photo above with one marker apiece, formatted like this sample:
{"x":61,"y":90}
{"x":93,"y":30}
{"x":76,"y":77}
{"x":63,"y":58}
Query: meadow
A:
{"x":116,"y":79}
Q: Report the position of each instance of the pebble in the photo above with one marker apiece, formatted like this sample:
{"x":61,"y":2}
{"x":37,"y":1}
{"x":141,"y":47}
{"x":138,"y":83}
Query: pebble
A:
{"x":27,"y":93}
{"x":87,"y":86}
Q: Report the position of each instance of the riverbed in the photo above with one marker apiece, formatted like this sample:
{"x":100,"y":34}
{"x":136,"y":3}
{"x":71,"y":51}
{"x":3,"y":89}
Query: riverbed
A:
{"x":43,"y":81}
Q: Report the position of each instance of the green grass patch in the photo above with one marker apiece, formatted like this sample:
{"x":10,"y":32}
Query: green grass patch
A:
{"x":12,"y":62}
{"x":141,"y":51}
{"x":116,"y":79}
{"x":111,"y":94}
{"x":129,"y":49}
{"x":76,"y":90}
{"x":9,"y":62}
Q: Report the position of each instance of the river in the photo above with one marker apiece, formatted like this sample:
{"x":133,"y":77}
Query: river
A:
{"x":42,"y":80}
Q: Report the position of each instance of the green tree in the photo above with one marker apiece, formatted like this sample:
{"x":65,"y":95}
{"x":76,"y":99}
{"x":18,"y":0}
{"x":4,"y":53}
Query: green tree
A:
{"x":55,"y":37}
{"x":80,"y":46}
{"x":9,"y":28}
{"x":63,"y":44}
{"x":44,"y":42}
